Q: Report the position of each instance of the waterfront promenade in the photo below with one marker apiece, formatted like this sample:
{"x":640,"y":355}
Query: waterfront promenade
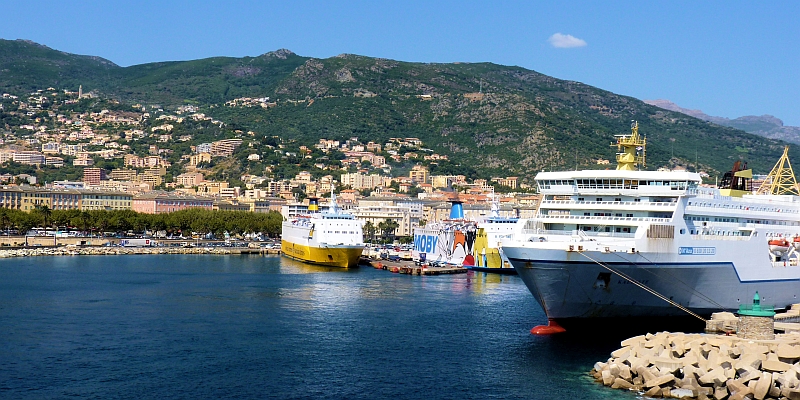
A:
{"x":21,"y":246}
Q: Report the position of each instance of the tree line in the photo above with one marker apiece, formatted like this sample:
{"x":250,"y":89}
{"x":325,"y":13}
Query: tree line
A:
{"x":179,"y":222}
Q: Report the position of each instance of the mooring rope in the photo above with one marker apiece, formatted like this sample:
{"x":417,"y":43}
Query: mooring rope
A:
{"x":688,"y":288}
{"x":644,"y":287}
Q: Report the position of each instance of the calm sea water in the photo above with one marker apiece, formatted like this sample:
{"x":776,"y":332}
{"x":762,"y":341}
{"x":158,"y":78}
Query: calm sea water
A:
{"x":176,"y":326}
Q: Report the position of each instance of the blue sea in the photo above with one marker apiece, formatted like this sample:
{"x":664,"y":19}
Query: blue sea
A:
{"x":200,"y":326}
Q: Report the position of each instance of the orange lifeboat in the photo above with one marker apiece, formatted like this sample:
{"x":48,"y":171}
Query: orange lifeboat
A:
{"x":778,"y":245}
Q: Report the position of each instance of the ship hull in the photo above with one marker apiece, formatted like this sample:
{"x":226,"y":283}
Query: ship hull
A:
{"x":330,"y":255}
{"x":573,"y":290}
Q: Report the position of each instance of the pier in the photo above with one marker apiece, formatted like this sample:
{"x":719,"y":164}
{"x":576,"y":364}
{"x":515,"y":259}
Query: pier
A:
{"x":412,"y":269}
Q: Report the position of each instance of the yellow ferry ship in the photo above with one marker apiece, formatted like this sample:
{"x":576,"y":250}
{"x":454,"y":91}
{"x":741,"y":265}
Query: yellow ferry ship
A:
{"x":332,"y":238}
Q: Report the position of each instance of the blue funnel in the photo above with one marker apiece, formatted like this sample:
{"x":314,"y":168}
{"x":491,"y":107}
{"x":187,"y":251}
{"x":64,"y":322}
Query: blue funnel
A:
{"x":457,"y":210}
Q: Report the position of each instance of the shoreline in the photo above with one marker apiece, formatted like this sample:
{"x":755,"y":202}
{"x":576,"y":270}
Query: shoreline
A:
{"x":106,"y":251}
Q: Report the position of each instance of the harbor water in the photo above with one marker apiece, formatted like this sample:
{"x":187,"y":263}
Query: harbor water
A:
{"x":205,"y":326}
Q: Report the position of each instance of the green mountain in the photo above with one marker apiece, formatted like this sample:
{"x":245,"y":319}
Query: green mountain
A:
{"x":495,"y":119}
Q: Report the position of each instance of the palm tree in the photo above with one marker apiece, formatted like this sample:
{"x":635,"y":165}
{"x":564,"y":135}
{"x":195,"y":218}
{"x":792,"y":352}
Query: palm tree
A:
{"x":388,"y":227}
{"x":46,"y":213}
{"x":4,"y":219}
{"x":369,"y":231}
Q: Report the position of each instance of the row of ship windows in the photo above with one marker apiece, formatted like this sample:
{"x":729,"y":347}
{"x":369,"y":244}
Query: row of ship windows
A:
{"x":345,"y":232}
{"x":613,"y":183}
{"x":618,"y":229}
{"x":717,"y":233}
{"x":606,"y":214}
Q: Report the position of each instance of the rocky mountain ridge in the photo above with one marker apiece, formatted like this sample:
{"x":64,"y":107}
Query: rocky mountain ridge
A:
{"x":767,"y":126}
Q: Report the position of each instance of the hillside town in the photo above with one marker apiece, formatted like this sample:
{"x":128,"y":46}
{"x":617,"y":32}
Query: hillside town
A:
{"x":113,"y":157}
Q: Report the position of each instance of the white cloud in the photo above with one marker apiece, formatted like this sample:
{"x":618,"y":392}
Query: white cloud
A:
{"x":562,"y":41}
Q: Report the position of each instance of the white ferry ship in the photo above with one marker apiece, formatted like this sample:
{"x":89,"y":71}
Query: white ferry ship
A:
{"x":332,"y":238}
{"x":492,"y":233}
{"x":625,"y":242}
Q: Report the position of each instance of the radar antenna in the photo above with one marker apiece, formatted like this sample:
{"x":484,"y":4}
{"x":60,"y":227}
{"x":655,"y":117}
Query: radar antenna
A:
{"x":631,"y":149}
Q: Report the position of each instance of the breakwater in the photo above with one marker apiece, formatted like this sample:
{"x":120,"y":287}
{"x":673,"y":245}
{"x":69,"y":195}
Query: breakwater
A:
{"x":704,"y":366}
{"x":85,"y":251}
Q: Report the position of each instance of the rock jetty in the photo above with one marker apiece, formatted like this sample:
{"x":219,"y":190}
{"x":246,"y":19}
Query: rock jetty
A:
{"x":85,"y":251}
{"x":705,"y":366}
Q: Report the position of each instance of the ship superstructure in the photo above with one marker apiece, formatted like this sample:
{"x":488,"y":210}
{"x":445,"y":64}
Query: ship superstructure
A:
{"x":494,"y":231}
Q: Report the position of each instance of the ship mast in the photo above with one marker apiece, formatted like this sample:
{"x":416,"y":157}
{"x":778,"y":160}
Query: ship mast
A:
{"x":781,"y":179}
{"x":631,"y":149}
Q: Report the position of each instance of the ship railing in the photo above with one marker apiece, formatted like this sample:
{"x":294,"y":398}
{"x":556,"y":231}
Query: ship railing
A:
{"x":720,"y":236}
{"x":773,"y":208}
{"x":638,"y":204}
{"x":604,"y":218}
{"x":543,"y":232}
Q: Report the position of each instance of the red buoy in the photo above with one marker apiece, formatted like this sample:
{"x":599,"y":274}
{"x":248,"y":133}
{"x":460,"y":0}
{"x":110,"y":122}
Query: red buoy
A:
{"x":551,"y":328}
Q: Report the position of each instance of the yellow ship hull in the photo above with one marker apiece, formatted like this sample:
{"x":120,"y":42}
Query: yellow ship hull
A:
{"x":333,"y":256}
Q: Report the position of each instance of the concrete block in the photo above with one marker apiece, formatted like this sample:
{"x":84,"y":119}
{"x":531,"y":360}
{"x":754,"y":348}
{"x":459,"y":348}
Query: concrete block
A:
{"x":667,"y":365}
{"x":665,"y":353}
{"x":620,"y":383}
{"x":661,"y":380}
{"x":788,"y":353}
{"x":730,"y":373}
{"x":690,"y":359}
{"x":740,"y":396}
{"x":653,"y":392}
{"x":762,"y":386}
{"x":706,"y":392}
{"x":720,"y":393}
{"x":748,"y":360}
{"x":689,"y":382}
{"x":647,"y":375}
{"x":734,"y":386}
{"x":747,"y":374}
{"x":607,"y":378}
{"x":636,"y":363}
{"x":775,"y":366}
{"x":632,"y":342}
{"x":681,"y":393}
{"x":625,"y":372}
{"x":715,"y":377}
{"x":624,"y":352}
{"x":724,"y":315}
{"x":614,"y":370}
{"x":774,"y":391}
{"x":599,"y":366}
{"x":791,"y":394}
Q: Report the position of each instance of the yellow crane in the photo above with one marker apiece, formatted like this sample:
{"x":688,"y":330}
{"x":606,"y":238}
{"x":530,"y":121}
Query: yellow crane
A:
{"x":781,"y":179}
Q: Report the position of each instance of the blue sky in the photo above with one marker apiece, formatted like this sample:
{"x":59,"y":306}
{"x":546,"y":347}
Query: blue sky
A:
{"x":728,"y":59}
